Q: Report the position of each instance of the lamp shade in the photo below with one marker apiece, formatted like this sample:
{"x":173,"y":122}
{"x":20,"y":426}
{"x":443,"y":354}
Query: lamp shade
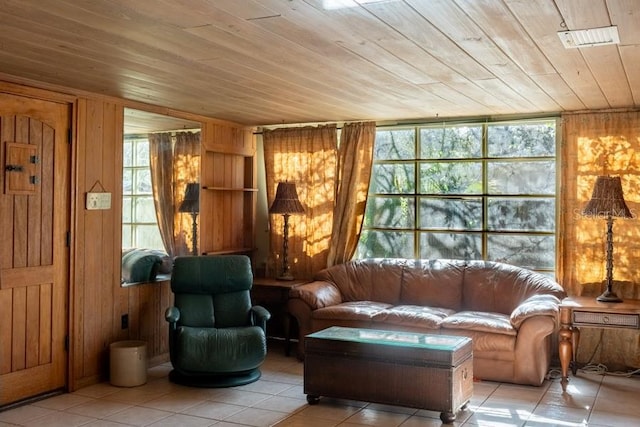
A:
{"x":286,"y":201}
{"x":191,"y":202}
{"x":607,"y":199}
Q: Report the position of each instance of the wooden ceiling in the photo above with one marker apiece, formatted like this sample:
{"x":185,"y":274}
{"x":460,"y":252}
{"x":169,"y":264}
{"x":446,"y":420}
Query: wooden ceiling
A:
{"x":262,"y":62}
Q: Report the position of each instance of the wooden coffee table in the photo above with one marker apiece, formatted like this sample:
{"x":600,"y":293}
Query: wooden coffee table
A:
{"x":432,"y":372}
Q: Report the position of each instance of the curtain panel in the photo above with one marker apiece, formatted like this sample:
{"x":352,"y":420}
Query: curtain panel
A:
{"x":160,"y":163}
{"x":355,"y":156}
{"x":173,"y":165}
{"x":306,"y":156}
{"x":600,"y":144}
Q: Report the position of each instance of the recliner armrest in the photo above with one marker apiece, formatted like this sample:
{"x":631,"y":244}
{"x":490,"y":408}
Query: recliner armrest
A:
{"x":259,"y":316}
{"x":172,"y":315}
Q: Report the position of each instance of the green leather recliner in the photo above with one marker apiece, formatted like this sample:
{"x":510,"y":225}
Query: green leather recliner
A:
{"x":216,"y":337}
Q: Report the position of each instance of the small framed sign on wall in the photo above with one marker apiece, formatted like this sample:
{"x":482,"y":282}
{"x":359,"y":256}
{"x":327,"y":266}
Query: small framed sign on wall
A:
{"x":98,"y":200}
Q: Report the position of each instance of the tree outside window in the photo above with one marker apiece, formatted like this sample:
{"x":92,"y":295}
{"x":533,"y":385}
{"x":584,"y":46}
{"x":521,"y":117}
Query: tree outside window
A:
{"x":464,"y":191}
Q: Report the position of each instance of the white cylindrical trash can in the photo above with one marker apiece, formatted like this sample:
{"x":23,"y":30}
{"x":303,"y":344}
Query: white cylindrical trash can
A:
{"x":128,"y":363}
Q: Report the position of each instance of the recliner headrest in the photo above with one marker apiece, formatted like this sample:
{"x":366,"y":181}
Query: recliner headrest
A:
{"x":211,"y":274}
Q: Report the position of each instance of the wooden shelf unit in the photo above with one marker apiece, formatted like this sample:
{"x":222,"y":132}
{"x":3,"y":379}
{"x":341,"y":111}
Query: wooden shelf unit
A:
{"x":228,"y":194}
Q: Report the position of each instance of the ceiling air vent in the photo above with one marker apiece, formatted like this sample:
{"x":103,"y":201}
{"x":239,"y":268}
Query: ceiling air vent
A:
{"x":589,"y":37}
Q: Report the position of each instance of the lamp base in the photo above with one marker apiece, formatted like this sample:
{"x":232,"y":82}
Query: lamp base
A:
{"x":609,"y":296}
{"x":286,"y":276}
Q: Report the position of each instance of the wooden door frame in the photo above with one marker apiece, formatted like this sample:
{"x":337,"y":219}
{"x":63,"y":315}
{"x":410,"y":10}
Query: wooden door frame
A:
{"x":69,"y":102}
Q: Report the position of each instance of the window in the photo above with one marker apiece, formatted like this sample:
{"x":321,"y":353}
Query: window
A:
{"x":464,"y":191}
{"x":139,"y":223}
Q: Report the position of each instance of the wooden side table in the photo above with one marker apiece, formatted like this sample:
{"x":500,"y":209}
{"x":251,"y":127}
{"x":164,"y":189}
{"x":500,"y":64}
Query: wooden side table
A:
{"x":576,"y":312}
{"x":273,"y":294}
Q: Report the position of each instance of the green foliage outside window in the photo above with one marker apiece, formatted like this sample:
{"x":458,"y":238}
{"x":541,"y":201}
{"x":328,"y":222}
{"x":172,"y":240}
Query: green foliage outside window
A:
{"x":464,"y":191}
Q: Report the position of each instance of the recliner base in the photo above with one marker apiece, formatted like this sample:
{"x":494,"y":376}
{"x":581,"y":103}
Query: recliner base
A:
{"x":215,"y":380}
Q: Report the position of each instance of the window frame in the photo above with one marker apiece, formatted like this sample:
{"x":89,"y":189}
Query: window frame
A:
{"x":134,"y":139}
{"x":485,"y":231}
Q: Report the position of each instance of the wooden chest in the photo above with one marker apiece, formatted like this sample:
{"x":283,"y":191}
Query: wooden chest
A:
{"x":433,"y":372}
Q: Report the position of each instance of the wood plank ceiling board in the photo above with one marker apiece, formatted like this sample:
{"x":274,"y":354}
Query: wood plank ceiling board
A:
{"x":56,"y":46}
{"x":272,"y":88}
{"x":604,"y":61}
{"x":151,"y":63}
{"x":558,"y":89}
{"x":415,"y":27}
{"x":348,"y":66}
{"x":141,"y":122}
{"x":514,"y":41}
{"x":458,"y":101}
{"x":466,"y":34}
{"x":342,"y":28}
{"x":370,"y":36}
{"x":626,"y":16}
{"x":261,"y":62}
{"x":498,"y":23}
{"x":542,"y":21}
{"x":631,"y":58}
{"x":452,"y":21}
{"x":288,"y":57}
{"x":292,"y":73}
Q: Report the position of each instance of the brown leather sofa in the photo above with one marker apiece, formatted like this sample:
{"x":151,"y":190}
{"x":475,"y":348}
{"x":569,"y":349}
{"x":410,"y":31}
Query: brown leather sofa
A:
{"x":509,"y":312}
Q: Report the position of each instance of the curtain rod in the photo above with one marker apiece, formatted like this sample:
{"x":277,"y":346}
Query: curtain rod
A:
{"x":176,"y":130}
{"x":144,"y":134}
{"x":435,"y":121}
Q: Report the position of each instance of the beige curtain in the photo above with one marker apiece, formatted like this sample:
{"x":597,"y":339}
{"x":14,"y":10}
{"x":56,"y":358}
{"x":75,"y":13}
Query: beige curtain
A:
{"x":307,"y":157}
{"x":600,"y":144}
{"x":161,"y":159}
{"x":173,"y":165}
{"x":355,"y":156}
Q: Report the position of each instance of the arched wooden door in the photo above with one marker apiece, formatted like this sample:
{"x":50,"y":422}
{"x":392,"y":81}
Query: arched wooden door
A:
{"x":34,"y":252}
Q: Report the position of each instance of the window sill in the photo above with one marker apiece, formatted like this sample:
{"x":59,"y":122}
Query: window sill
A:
{"x":160,"y":278}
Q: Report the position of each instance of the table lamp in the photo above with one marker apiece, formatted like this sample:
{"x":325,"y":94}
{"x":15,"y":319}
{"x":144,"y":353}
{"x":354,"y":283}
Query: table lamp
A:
{"x":607,"y":201}
{"x":286,"y":203}
{"x":191,"y":204}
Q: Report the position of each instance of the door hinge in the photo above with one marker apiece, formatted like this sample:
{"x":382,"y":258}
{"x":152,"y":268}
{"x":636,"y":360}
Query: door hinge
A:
{"x":69,"y":136}
{"x":66,"y":343}
{"x":68,"y":238}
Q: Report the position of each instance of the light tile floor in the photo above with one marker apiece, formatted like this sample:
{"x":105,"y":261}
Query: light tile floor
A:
{"x":277,"y":399}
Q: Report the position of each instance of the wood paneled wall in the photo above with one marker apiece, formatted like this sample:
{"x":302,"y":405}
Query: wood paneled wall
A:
{"x":97,"y":301}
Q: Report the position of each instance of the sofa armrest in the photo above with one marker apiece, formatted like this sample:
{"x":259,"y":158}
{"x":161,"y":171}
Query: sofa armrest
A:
{"x":532,"y":355}
{"x":536,"y":305}
{"x":317,"y":294}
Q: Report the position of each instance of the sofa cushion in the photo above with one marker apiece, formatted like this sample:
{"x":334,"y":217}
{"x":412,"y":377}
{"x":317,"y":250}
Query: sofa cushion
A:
{"x":480,"y":321}
{"x":354,"y":310}
{"x":433,"y":283}
{"x":500,"y":288}
{"x":413,"y":316}
{"x":366,"y":279}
